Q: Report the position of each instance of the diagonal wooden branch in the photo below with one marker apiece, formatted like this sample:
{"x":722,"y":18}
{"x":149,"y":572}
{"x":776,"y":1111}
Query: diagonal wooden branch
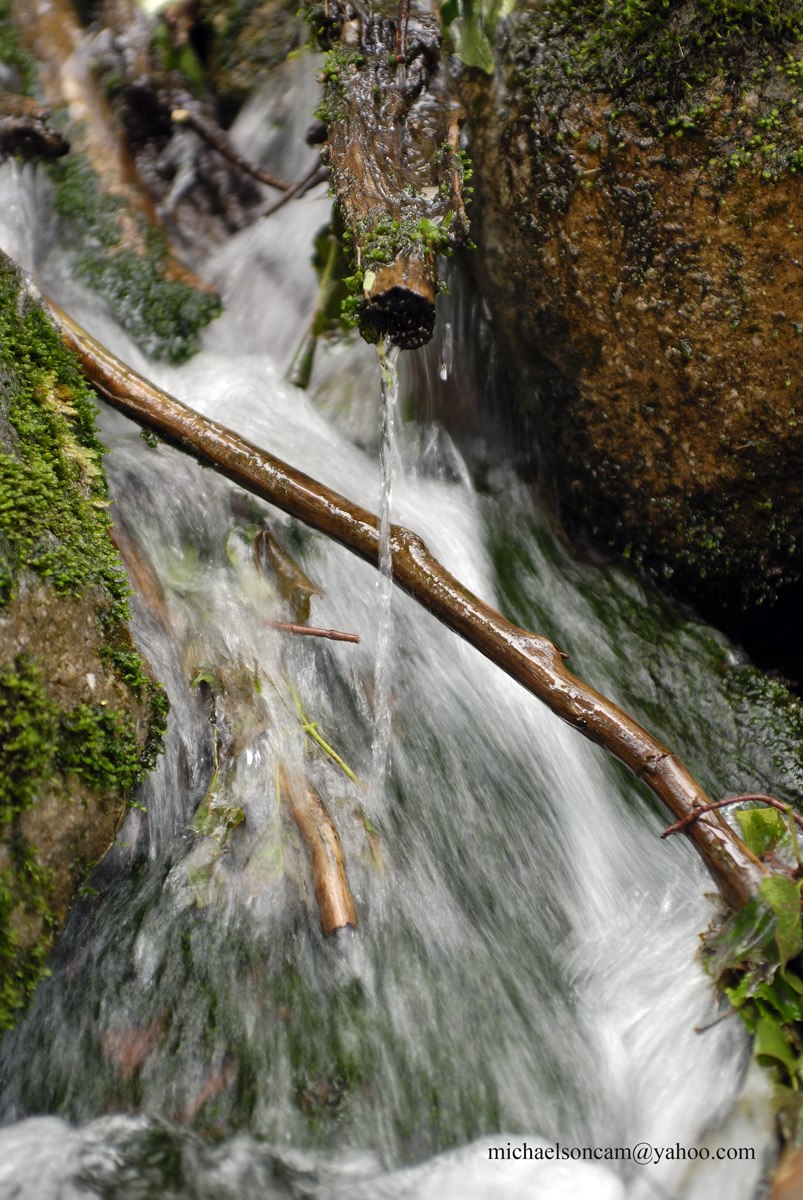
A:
{"x":531,"y":660}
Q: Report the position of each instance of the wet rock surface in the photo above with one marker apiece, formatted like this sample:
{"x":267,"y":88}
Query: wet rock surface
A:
{"x":80,"y":717}
{"x":644,"y":254}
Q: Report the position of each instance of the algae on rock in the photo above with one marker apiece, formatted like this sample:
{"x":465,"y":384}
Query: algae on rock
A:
{"x":81,"y":720}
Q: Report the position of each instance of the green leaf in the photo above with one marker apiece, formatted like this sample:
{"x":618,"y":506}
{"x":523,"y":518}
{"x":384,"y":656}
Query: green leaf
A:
{"x":746,"y":989}
{"x":762,"y":828}
{"x":793,"y":981}
{"x":471,"y":45}
{"x":781,"y":998}
{"x":782,"y":894}
{"x":771,"y":1046}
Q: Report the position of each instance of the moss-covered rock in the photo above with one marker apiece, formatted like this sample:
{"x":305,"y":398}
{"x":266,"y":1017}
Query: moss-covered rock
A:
{"x":80,"y":719}
{"x":109,"y":224}
{"x":641,"y":234}
{"x":247,"y":39}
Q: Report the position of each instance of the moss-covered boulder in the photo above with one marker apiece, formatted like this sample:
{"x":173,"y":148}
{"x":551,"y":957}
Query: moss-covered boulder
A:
{"x":80,"y":719}
{"x":245,"y":41}
{"x":641,"y":233}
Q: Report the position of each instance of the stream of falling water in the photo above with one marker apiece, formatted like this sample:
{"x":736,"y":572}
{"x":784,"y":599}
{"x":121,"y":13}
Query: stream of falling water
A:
{"x":388,"y":462}
{"x":525,"y":968}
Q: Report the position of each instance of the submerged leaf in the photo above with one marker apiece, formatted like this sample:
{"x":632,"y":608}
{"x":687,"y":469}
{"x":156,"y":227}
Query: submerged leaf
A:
{"x":745,"y":936}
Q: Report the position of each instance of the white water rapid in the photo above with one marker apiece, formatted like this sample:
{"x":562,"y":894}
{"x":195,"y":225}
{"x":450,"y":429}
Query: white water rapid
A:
{"x":524,"y":973}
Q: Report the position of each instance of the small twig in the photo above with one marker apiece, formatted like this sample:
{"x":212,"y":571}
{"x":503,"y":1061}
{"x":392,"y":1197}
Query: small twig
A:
{"x":217,"y":140}
{"x":786,"y":809}
{"x":311,"y":729}
{"x":401,"y":32}
{"x":310,"y":631}
{"x":717,"y":1021}
{"x":315,"y":175}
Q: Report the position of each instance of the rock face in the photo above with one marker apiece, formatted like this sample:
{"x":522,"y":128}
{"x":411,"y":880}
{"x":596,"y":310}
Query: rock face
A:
{"x":641,"y":234}
{"x":80,"y":719}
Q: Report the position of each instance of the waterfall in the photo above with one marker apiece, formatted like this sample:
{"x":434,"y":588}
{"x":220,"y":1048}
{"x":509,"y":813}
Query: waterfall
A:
{"x":525,"y":969}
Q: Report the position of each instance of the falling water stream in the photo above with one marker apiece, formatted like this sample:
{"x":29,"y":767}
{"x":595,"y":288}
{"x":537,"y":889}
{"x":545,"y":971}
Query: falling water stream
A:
{"x":525,"y":966}
{"x":389,"y":376}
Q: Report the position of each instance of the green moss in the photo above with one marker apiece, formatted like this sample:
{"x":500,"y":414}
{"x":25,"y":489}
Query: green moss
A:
{"x":28,"y":733}
{"x":40,"y":743}
{"x":13,"y":56}
{"x":337,"y":61}
{"x":164,"y":316}
{"x":54,"y":524}
{"x":99,"y":746}
{"x":248,"y":39}
{"x":53,"y":493}
{"x":672,"y":64}
{"x":656,"y":50}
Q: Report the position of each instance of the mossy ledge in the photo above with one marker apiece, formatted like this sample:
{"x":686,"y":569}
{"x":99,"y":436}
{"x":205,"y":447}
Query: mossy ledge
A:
{"x":639,"y":187}
{"x":81,"y":720}
{"x":164,"y":315}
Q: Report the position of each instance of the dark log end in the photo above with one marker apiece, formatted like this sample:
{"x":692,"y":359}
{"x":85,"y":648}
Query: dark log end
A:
{"x":402,"y":315}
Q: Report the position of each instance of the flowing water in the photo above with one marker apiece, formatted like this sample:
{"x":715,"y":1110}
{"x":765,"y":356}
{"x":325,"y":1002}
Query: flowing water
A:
{"x":388,"y":465}
{"x":525,"y":965}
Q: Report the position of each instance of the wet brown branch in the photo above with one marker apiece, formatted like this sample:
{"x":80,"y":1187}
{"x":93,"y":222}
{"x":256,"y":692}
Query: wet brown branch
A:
{"x":214,"y":137}
{"x":335,"y":902}
{"x":334,"y":635}
{"x":391,"y":147}
{"x":758,"y":798}
{"x":528,"y":658}
{"x":316,"y":174}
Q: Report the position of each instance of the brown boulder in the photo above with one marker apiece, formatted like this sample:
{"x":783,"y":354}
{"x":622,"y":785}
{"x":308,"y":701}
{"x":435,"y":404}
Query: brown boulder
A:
{"x":644,"y":255}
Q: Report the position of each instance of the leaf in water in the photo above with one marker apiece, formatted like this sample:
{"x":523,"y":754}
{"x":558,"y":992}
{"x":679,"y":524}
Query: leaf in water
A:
{"x":762,"y":828}
{"x":782,"y":894}
{"x":293,"y":585}
{"x":771,"y":1046}
{"x":746,"y":935}
{"x":205,"y":675}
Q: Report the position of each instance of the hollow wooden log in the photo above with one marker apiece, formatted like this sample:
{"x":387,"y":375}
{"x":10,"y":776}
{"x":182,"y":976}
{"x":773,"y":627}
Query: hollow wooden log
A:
{"x":532,"y":660}
{"x":392,"y":147}
{"x":336,"y":905}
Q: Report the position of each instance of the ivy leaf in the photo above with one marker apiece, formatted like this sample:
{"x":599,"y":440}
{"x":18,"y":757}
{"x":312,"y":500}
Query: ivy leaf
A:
{"x":762,"y":828}
{"x":771,"y":1046}
{"x":782,"y":894}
